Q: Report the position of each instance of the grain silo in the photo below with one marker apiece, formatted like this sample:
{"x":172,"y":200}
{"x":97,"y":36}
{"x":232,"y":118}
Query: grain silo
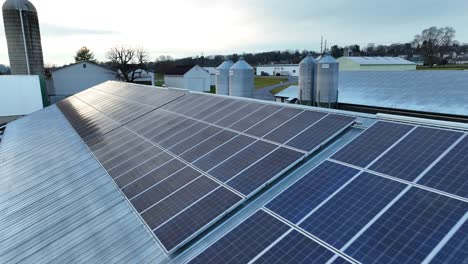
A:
{"x":307,"y":68}
{"x":326,"y":80}
{"x":222,"y":77}
{"x":241,"y":79}
{"x":23,"y":37}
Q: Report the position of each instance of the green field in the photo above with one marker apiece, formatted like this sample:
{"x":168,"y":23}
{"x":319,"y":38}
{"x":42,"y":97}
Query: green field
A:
{"x":281,"y":88}
{"x":455,"y":67}
{"x":262,"y":82}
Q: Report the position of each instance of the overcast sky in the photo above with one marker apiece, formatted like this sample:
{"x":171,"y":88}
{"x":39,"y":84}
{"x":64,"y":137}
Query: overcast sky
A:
{"x":189,"y":27}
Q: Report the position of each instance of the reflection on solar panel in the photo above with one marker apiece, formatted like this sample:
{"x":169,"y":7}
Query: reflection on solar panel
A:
{"x":181,"y":159}
{"x":246,"y":241}
{"x":368,"y":217}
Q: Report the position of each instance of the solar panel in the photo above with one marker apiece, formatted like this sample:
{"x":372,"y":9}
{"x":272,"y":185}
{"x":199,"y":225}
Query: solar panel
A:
{"x":272,"y":122}
{"x":159,"y":213}
{"x":315,"y":187}
{"x":245,"y":241}
{"x":223,"y":112}
{"x":254,"y":118}
{"x":232,"y":166}
{"x":223,"y":152}
{"x":318,"y":134}
{"x":265,"y":170}
{"x":296,"y":248}
{"x":196,"y":218}
{"x":164,"y":188}
{"x":194,"y":140}
{"x":372,"y":143}
{"x":216,"y":107}
{"x":456,"y":249}
{"x":415,"y":153}
{"x":152,"y":177}
{"x":347,"y":212}
{"x":294,"y":126}
{"x":449,"y":174}
{"x":409,"y":230}
{"x":157,"y":155}
{"x":238,"y":114}
{"x":208,"y":145}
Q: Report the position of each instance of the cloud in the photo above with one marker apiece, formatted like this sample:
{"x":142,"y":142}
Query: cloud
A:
{"x":63,"y":31}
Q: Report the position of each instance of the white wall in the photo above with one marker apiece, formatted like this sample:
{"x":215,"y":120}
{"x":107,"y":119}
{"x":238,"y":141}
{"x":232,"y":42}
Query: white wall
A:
{"x":76,"y":78}
{"x":19,"y":95}
{"x":197,"y":79}
{"x":292,"y":70}
{"x":174,"y":81}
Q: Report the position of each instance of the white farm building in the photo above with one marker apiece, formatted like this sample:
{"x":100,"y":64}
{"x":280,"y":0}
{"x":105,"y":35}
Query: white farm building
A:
{"x":278,"y":70}
{"x":193,"y":78}
{"x":74,"y":78}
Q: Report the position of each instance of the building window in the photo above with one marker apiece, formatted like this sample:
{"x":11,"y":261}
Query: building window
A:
{"x":84,"y":66}
{"x":294,"y":71}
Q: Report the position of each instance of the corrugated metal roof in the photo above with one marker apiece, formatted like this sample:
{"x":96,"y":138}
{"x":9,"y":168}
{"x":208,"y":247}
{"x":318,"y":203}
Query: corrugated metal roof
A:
{"x":58,"y":205}
{"x":426,"y":91}
{"x":379,"y":60}
{"x":443,"y":92}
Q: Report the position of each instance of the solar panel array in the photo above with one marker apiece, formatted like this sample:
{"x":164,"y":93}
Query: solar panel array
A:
{"x":185,"y":160}
{"x":395,"y":194}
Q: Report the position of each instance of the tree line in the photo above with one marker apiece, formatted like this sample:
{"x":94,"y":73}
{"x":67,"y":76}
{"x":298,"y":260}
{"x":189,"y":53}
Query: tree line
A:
{"x":429,"y":45}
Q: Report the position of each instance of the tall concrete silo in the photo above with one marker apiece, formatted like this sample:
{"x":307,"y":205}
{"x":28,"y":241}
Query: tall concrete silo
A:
{"x":307,"y":68}
{"x":23,"y":37}
{"x":327,"y":82}
{"x":222,"y":77}
{"x":241,"y":79}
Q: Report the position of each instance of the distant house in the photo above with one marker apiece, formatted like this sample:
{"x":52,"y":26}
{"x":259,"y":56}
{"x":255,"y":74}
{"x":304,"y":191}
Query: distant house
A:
{"x":74,"y":78}
{"x":375,"y":64}
{"x":193,"y":78}
{"x":278,"y":70}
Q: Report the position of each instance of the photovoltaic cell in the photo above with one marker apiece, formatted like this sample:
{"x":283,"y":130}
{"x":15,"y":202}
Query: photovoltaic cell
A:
{"x":195,"y":140}
{"x":319,"y":133}
{"x":254,"y":118}
{"x":156,"y":175}
{"x":233,"y":117}
{"x":162,"y":126}
{"x":169,"y":132}
{"x":415,"y":153}
{"x":142,"y":169}
{"x":179,"y":200}
{"x":314,"y":188}
{"x":296,"y":248}
{"x":223,"y":112}
{"x":245,"y":241}
{"x":136,"y":160}
{"x":196,"y":218}
{"x":264,"y":170}
{"x":218,"y":155}
{"x":208,"y":103}
{"x":372,"y":143}
{"x":272,"y":122}
{"x":210,"y":110}
{"x":340,"y":218}
{"x":293,"y":127}
{"x":240,"y":161}
{"x":456,"y":249}
{"x":183,"y":135}
{"x":121,"y":149}
{"x":208,"y":145}
{"x":164,"y":188}
{"x":409,"y":230}
{"x":450,"y":174}
{"x":124,"y":156}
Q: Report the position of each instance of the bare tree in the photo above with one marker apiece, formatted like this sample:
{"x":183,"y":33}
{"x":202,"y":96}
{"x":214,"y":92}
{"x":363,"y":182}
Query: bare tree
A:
{"x":432,"y":41}
{"x":127,"y":61}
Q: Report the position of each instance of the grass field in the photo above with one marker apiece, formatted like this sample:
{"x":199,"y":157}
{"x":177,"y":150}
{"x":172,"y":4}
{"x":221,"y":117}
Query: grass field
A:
{"x":281,"y":88}
{"x":262,"y":82}
{"x":455,"y":67}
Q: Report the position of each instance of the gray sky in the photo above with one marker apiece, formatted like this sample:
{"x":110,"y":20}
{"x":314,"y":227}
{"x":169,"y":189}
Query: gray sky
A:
{"x":189,"y":27}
